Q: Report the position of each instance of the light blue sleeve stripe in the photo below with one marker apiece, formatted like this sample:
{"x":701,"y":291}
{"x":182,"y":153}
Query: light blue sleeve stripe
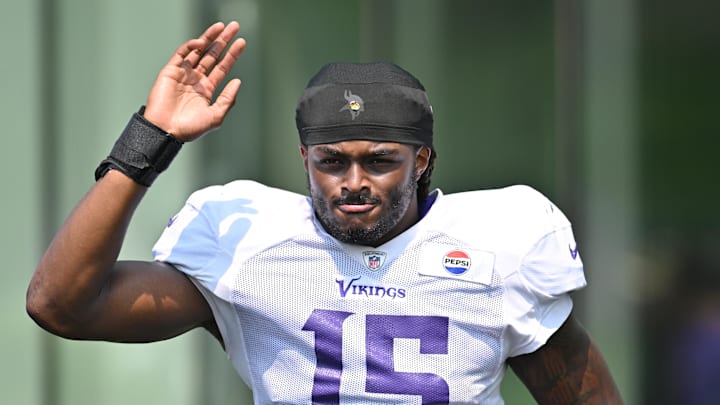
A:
{"x":206,"y":246}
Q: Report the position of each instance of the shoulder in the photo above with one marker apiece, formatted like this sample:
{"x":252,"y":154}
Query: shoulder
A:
{"x":247,"y":191}
{"x":242,"y":211}
{"x":511,"y":200}
{"x":517,"y":214}
{"x":235,"y":220}
{"x":250,"y":199}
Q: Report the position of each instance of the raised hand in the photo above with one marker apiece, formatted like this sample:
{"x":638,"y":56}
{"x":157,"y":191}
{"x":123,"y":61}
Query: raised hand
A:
{"x":181,"y":100}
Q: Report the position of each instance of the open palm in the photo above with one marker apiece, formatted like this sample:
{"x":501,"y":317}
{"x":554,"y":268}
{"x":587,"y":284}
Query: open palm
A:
{"x":180,"y":101}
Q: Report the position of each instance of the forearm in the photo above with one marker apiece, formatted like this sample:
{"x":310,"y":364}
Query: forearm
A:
{"x":72,"y":273}
{"x":585,"y":381}
{"x":569,"y":369}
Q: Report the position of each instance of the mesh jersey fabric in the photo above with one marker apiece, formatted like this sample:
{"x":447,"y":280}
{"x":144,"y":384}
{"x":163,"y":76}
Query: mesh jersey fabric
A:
{"x":429,"y":317}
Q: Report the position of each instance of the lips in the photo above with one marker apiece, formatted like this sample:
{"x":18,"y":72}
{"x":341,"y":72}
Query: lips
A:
{"x":356,"y":204}
{"x":355,"y":208}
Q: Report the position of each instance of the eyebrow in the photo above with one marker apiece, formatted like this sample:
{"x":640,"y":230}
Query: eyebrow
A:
{"x":379,"y":152}
{"x":328,"y":150}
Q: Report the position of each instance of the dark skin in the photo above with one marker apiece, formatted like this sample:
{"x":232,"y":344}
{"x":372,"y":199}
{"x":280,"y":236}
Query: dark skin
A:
{"x":343,"y":171}
{"x":568,"y":369}
{"x":81,"y":291}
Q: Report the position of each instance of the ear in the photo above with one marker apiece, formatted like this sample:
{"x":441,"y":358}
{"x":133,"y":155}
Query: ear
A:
{"x":422,"y":161}
{"x":304,"y":154}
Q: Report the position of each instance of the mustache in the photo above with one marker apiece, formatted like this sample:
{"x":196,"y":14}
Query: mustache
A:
{"x":352,"y":198}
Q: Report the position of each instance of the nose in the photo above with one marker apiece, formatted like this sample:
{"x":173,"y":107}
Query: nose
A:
{"x":356,"y":178}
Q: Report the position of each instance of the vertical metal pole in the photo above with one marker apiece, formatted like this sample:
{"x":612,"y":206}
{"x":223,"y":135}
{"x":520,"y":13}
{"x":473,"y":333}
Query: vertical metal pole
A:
{"x":48,"y":180}
{"x":569,"y":39}
{"x":377,"y":30}
{"x":610,"y":183}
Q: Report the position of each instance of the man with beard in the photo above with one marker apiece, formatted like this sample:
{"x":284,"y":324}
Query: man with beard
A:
{"x":372,"y":290}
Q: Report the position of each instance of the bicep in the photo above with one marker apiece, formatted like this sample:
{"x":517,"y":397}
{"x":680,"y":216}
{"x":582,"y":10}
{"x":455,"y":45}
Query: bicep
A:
{"x":568,"y":369}
{"x":146,"y":301}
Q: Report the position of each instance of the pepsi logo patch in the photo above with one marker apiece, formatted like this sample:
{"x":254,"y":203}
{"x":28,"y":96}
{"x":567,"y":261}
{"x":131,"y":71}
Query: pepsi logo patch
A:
{"x":456,"y":262}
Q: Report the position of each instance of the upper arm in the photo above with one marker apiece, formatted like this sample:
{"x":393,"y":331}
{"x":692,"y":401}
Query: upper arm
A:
{"x":568,"y":369}
{"x":142,"y":302}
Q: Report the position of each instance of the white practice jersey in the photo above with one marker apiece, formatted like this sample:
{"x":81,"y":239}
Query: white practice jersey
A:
{"x":430,"y":317}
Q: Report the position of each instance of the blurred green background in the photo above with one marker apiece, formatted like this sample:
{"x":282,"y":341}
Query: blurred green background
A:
{"x":609,"y":107}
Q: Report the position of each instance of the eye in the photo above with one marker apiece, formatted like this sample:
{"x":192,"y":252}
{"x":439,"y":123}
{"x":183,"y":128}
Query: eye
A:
{"x":381,"y":161}
{"x":329,"y":162}
{"x":380,"y":164}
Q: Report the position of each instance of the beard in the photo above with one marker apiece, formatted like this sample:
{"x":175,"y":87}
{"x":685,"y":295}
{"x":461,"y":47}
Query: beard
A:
{"x":371,"y":234}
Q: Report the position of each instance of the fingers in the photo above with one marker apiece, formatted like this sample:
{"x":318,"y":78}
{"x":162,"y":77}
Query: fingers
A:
{"x":227,"y":62}
{"x":191,"y":49}
{"x":203,"y":53}
{"x":216,"y":48}
{"x":193,"y":74}
{"x":226,"y":98}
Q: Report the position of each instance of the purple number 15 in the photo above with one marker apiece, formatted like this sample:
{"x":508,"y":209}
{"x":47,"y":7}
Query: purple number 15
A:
{"x":381,"y":330}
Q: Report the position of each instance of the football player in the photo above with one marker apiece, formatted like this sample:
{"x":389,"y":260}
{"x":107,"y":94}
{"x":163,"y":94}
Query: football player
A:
{"x":371,"y":289}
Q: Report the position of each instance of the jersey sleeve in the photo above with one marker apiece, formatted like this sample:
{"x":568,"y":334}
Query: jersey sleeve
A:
{"x":201,"y":239}
{"x":537,"y":294}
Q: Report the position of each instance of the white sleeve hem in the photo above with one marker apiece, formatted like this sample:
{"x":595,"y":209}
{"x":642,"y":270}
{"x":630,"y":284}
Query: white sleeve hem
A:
{"x":556,"y":314}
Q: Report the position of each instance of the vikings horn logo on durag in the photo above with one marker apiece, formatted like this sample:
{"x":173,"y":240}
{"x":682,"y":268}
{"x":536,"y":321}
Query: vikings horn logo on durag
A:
{"x":355,"y":104}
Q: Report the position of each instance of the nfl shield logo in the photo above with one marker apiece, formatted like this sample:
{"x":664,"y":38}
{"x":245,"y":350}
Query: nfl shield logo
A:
{"x":374,"y":259}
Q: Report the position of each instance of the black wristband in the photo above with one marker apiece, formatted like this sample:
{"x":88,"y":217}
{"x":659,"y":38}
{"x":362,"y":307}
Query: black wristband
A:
{"x":142,"y":152}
